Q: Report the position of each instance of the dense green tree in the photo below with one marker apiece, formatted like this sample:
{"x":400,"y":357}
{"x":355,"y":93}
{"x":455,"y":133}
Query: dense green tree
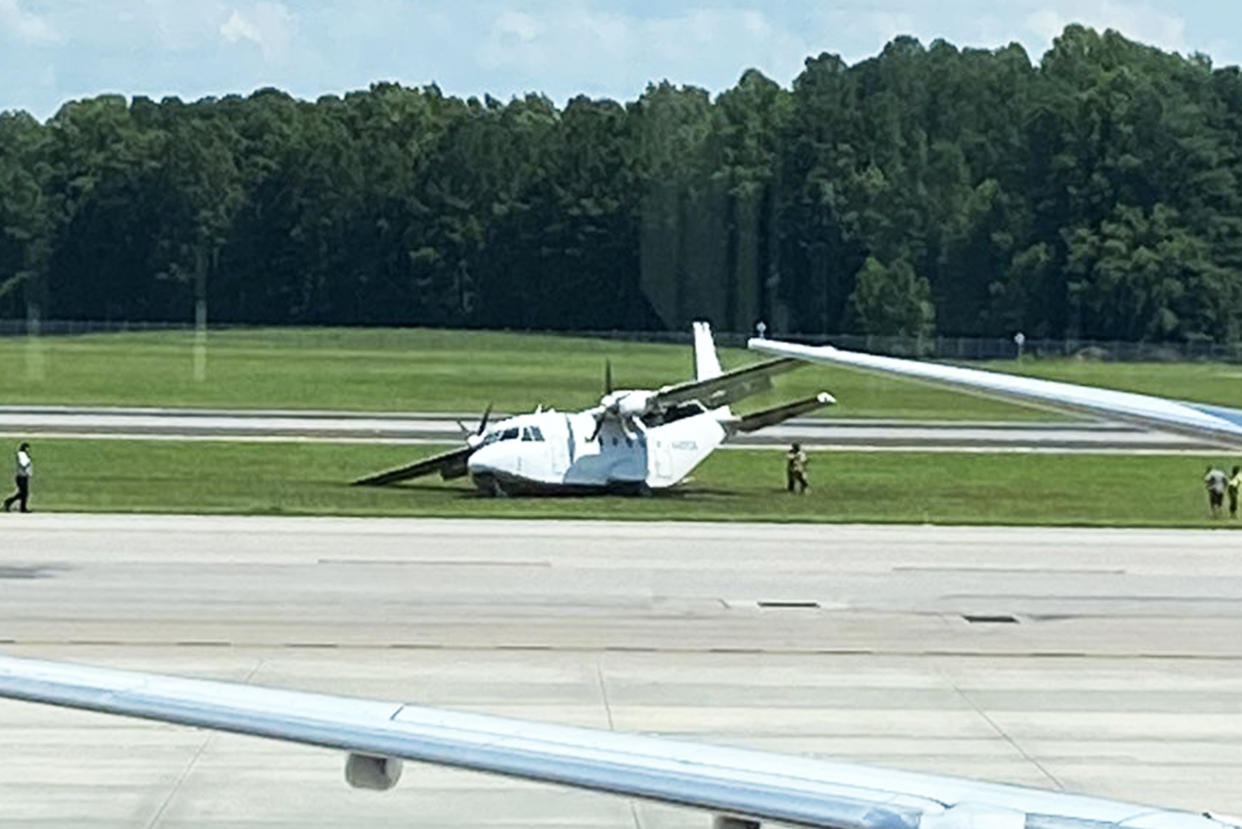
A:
{"x":1093,"y":193}
{"x":892,"y":300}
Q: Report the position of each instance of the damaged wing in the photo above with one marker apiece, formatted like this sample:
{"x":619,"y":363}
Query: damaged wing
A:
{"x":450,"y":465}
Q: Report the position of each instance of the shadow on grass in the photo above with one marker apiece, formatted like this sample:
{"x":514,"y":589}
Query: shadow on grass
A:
{"x":670,"y":494}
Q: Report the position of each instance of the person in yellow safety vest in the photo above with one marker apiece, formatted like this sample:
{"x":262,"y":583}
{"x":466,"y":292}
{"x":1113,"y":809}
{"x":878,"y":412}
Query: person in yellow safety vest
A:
{"x":795,"y":469}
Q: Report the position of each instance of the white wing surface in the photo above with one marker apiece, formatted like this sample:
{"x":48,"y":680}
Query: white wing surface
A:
{"x":1215,"y":423}
{"x":725,"y":781}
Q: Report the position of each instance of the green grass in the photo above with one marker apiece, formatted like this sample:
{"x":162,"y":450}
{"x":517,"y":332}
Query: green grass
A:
{"x":309,"y":478}
{"x":414,"y":370}
{"x":462,"y":371}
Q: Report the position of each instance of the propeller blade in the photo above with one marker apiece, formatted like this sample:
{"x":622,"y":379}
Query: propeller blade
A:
{"x":599,"y":425}
{"x":483,"y":423}
{"x":607,"y":376}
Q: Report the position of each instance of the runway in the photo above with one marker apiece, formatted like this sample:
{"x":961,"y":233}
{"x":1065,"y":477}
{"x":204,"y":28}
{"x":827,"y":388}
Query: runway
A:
{"x":413,"y":428}
{"x":1105,"y":661}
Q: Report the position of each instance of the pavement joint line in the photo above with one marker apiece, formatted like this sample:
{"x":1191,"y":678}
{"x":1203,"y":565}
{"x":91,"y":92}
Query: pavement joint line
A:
{"x":1008,"y":739}
{"x":785,"y":651}
{"x":185,"y":773}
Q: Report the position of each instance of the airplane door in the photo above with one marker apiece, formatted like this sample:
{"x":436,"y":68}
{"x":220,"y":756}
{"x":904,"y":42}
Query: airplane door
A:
{"x":559,"y":436}
{"x":663,"y":459}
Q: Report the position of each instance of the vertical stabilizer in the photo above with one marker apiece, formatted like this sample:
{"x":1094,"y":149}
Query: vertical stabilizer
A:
{"x":706,"y":363}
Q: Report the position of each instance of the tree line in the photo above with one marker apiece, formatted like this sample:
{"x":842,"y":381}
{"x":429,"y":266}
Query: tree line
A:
{"x":929,"y":189}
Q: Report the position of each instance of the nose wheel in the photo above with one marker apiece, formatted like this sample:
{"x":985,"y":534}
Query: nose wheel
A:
{"x":490,"y":486}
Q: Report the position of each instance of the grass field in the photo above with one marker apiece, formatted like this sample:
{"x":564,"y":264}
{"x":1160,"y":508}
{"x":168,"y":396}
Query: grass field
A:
{"x":309,"y":478}
{"x":462,"y":371}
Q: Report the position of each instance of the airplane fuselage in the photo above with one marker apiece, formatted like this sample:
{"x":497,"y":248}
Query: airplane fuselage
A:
{"x":565,"y":452}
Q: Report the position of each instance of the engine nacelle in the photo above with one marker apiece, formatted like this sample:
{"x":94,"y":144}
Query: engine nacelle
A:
{"x":364,"y":771}
{"x":634,"y":403}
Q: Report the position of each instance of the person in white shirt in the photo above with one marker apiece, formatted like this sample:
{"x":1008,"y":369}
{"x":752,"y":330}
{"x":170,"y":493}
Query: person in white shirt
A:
{"x":22,"y":475}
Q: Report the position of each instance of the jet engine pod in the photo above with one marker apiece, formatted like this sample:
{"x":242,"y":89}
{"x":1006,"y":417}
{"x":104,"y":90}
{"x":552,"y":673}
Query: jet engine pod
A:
{"x":364,"y":771}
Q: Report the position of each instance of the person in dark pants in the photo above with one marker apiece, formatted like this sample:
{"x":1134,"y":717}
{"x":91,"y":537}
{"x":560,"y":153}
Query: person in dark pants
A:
{"x":1216,"y":482}
{"x":22,"y":477}
{"x":1235,"y":480}
{"x":795,"y":469}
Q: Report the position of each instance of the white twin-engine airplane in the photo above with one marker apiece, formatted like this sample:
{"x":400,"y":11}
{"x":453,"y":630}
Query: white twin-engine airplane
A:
{"x":740,"y":788}
{"x":634,"y":441}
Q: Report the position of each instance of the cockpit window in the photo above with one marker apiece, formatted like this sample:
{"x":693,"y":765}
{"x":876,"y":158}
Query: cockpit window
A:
{"x":536,"y":434}
{"x":507,"y":434}
{"x":526,"y":435}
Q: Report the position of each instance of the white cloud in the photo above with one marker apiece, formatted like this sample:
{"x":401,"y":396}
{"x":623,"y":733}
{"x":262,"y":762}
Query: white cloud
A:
{"x":26,"y":26}
{"x":607,"y":52}
{"x":1137,"y":21}
{"x":270,"y":26}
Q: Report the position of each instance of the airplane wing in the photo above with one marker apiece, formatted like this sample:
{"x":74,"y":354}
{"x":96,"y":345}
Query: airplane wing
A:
{"x":779,"y":414}
{"x":451,"y":464}
{"x":1216,"y":423}
{"x":733,"y":783}
{"x":727,"y":388}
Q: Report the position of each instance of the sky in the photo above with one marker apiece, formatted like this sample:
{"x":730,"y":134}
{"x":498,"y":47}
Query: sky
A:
{"x":52,"y":51}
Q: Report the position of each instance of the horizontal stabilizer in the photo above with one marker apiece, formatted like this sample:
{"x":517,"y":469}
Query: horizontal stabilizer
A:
{"x":449,"y":464}
{"x":779,"y":414}
{"x":728,"y":388}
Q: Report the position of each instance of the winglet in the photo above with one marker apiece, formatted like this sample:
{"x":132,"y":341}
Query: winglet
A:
{"x":706,"y":363}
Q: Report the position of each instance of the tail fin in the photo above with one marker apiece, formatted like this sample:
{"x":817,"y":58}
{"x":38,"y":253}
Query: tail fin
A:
{"x":706,"y":363}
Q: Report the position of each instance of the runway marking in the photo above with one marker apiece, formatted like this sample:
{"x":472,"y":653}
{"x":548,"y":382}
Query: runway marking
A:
{"x":1021,"y":571}
{"x":17,"y":571}
{"x":1090,"y":598}
{"x":436,"y":562}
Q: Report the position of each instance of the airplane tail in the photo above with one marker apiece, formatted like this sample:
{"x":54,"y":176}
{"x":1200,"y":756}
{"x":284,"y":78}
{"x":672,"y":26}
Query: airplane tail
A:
{"x":706,"y":363}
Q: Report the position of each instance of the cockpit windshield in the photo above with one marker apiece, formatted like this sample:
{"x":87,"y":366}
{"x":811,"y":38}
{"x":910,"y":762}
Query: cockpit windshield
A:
{"x":512,"y":433}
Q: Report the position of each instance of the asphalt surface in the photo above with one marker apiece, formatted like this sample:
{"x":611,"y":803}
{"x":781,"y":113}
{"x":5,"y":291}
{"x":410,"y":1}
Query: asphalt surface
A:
{"x":214,"y":424}
{"x":1105,"y":661}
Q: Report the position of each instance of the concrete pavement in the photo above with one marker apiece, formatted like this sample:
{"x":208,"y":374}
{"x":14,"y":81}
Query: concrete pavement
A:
{"x":1107,"y":661}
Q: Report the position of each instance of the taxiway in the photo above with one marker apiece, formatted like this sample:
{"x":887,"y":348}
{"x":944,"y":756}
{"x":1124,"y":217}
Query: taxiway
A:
{"x":378,"y":427}
{"x":1106,"y":661}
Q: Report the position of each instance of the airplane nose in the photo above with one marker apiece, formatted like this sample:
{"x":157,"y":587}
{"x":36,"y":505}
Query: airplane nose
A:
{"x":488,"y":470}
{"x":482,"y":460}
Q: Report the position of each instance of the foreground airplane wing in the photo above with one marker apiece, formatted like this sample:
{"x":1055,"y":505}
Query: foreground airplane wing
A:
{"x":729,"y":782}
{"x":1216,"y":423}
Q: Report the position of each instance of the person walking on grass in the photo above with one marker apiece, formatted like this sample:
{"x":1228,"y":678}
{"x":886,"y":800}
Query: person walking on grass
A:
{"x":1235,"y":481}
{"x":24,"y":468}
{"x":795,"y":469}
{"x":1216,"y":482}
